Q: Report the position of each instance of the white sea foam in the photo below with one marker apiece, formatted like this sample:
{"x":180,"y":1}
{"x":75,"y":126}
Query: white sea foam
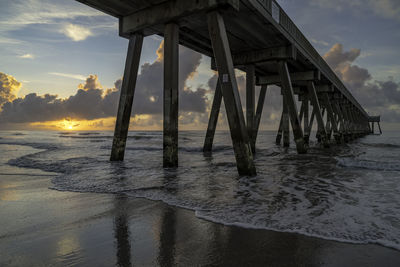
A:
{"x":369,"y":164}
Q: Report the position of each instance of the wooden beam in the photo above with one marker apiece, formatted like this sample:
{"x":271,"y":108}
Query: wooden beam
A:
{"x":324,"y":88}
{"x":264,"y":55}
{"x":374,"y":118}
{"x":306,"y":117}
{"x":168,"y":11}
{"x":171,"y":92}
{"x":292,"y":107}
{"x":331,"y":117}
{"x":250,"y":102}
{"x":294,"y":77}
{"x":307,"y":131}
{"x":301,"y":111}
{"x":319,"y":133}
{"x":285,"y":123}
{"x":260,"y":107}
{"x":347,"y":118}
{"x":342,"y":119}
{"x":126,"y":97}
{"x":212,"y":123}
{"x":230,"y":93}
{"x":280,"y":130}
{"x":318,"y":114}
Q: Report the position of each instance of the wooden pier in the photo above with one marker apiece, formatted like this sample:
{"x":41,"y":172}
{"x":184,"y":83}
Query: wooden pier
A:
{"x":255,"y":36}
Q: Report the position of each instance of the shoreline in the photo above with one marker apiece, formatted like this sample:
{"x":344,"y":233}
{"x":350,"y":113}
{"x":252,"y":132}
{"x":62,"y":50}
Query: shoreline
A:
{"x":44,"y":226}
{"x":50,"y":227}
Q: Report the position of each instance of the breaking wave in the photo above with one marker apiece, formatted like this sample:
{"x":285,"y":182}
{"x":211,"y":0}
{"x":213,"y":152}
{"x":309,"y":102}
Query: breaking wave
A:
{"x":369,"y":164}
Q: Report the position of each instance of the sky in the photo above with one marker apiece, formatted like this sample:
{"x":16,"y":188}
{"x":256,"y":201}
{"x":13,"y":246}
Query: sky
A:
{"x":61,"y":65}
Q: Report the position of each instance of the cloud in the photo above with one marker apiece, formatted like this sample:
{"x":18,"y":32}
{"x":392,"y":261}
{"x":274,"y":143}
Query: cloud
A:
{"x":342,"y":63}
{"x":9,"y":87}
{"x":51,"y":15}
{"x":149,"y":90}
{"x":320,"y":42}
{"x":6,"y":40}
{"x":68,"y":75}
{"x":335,"y":57}
{"x":28,"y":56}
{"x":21,"y":13}
{"x":377,"y":97}
{"x":386,"y":8}
{"x":91,"y":101}
{"x":76,"y":32}
{"x":382,"y":8}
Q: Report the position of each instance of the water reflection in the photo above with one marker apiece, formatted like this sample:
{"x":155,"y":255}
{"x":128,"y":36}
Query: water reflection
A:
{"x":166,"y":248}
{"x":121,"y":231}
{"x":166,"y":224}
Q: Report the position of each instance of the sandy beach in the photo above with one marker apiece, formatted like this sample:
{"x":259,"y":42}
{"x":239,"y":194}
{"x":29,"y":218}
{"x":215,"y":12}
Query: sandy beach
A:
{"x":45,"y":227}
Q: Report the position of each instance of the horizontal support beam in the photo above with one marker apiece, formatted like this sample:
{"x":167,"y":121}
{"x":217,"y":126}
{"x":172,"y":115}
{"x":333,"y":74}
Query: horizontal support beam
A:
{"x":263,"y":55}
{"x":338,"y":96}
{"x":374,"y":118}
{"x":269,"y":54}
{"x":294,"y":77}
{"x":169,"y":11}
{"x":325,"y":88}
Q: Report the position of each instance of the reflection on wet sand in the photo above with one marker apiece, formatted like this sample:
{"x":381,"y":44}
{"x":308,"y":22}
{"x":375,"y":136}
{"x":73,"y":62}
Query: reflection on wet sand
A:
{"x":7,"y":192}
{"x":180,"y":238}
{"x":121,"y":231}
{"x":166,"y":249}
{"x":166,"y":230}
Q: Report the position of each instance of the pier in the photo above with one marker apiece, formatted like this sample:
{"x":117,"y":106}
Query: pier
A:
{"x":255,"y":36}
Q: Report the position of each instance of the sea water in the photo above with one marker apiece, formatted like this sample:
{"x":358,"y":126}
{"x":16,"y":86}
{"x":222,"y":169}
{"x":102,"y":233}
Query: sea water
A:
{"x":348,"y":193}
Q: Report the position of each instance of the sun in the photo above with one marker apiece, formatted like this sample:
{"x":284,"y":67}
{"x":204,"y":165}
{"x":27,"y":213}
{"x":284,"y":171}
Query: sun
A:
{"x":69,"y":124}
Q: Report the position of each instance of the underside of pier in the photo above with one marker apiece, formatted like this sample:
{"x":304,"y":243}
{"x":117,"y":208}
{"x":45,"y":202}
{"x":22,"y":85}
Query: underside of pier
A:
{"x":255,"y":36}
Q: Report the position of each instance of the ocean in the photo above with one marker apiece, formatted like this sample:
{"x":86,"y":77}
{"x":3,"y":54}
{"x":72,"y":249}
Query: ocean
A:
{"x":348,"y":193}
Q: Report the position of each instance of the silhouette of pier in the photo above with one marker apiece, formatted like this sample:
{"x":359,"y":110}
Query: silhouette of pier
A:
{"x":255,"y":36}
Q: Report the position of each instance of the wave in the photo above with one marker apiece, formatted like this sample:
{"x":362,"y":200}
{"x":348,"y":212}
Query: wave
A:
{"x":381,"y":145}
{"x":386,"y":243}
{"x":44,"y":146}
{"x":229,"y":216}
{"x":18,"y":134}
{"x":89,"y":133}
{"x":98,"y":136}
{"x":66,"y":133}
{"x":87,"y":136}
{"x":368,"y":164}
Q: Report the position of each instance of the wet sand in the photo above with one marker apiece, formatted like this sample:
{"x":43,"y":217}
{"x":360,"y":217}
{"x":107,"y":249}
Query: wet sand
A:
{"x":44,"y":227}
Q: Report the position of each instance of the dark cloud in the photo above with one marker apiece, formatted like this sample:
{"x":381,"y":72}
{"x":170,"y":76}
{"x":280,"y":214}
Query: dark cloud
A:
{"x":33,"y":108}
{"x":149,"y":89}
{"x":92,"y":102}
{"x":87,"y":103}
{"x":377,"y":97}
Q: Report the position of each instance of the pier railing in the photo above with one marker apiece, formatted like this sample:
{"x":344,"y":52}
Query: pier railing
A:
{"x":287,"y":26}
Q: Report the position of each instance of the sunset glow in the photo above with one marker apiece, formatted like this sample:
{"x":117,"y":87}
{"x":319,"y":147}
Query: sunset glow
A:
{"x":69,"y":124}
{"x":75,"y":125}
